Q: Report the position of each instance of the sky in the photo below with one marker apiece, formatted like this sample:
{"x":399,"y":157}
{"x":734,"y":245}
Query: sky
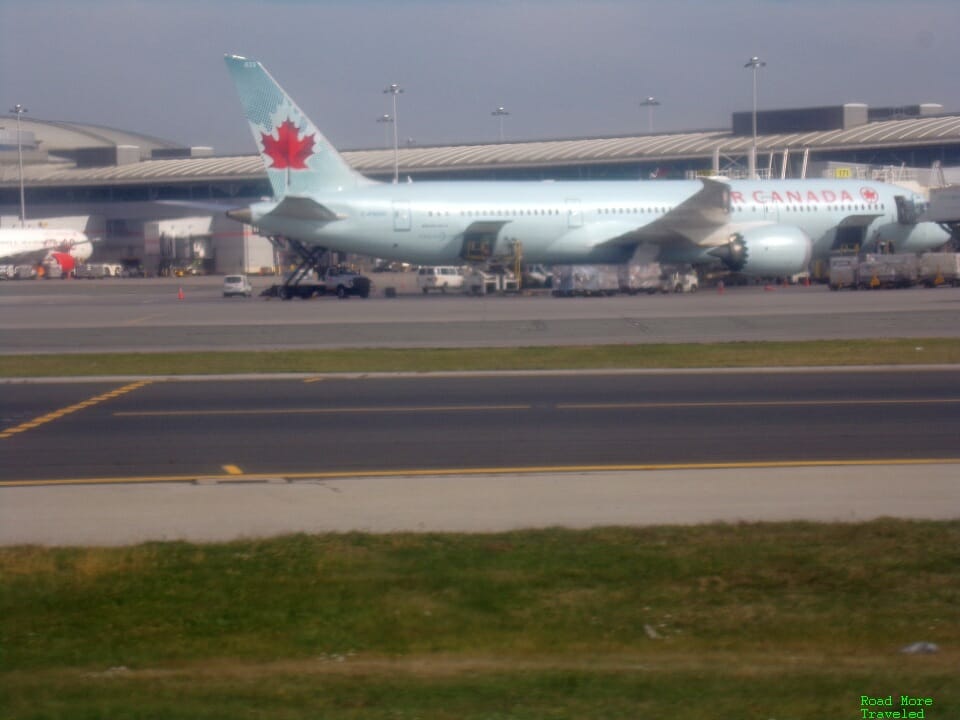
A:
{"x":561,"y":68}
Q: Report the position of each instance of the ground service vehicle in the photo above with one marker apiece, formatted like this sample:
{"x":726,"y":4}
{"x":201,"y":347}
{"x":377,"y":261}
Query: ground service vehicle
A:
{"x":344,"y":282}
{"x":679,"y":282}
{"x":439,"y":277}
{"x":304,"y":284}
{"x":237,"y":285}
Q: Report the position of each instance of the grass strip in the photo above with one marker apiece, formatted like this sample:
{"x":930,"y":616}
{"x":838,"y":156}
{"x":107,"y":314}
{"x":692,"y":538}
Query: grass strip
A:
{"x":721,"y":621}
{"x":720,"y":355}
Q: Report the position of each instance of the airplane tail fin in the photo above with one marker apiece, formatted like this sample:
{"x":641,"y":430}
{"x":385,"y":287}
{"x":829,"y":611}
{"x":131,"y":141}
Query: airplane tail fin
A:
{"x":298,"y":158}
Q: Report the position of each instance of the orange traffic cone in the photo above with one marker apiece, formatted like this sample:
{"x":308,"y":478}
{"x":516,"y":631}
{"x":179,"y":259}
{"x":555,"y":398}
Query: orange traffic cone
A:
{"x":180,"y":294}
{"x":720,"y":288}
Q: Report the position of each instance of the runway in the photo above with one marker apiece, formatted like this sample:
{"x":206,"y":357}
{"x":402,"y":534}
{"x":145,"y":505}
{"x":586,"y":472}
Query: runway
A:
{"x":145,"y":315}
{"x":388,"y":424}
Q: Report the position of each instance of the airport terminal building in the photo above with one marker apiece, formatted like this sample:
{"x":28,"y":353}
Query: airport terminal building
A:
{"x":161,"y":205}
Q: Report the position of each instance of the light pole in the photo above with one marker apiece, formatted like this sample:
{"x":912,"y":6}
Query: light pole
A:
{"x":500,"y":113}
{"x":386,"y":129}
{"x":395,"y":90}
{"x":650,"y":103}
{"x":755,"y":63}
{"x":20,"y":110}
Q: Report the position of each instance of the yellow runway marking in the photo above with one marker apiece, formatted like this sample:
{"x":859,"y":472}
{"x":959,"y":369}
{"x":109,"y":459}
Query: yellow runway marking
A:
{"x":532,"y":470}
{"x":57,"y":414}
{"x":141,"y":320}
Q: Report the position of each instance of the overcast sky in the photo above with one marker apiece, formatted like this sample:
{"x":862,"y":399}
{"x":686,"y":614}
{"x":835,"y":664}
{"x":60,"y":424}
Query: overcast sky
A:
{"x":561,"y":68}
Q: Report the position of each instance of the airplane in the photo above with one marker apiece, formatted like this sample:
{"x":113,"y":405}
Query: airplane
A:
{"x":45,"y":246}
{"x":764,"y":228}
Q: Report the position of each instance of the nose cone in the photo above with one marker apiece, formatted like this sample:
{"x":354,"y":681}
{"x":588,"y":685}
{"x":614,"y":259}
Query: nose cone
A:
{"x":241,"y":215}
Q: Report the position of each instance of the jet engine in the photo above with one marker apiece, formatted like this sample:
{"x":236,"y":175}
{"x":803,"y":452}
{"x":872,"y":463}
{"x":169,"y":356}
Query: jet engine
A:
{"x":59,"y":264}
{"x":766,"y":251}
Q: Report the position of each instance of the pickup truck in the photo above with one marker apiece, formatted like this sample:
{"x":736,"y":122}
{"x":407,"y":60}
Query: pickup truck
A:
{"x":344,"y":282}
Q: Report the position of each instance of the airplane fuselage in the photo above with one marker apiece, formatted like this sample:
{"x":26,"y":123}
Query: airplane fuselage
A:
{"x":572,"y":222}
{"x":33,"y":245}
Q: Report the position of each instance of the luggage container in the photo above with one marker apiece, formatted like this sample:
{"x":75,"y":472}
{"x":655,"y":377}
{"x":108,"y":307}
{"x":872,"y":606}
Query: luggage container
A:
{"x":843,"y":272}
{"x":940,"y":269}
{"x":888,"y":271}
{"x":572,"y":280}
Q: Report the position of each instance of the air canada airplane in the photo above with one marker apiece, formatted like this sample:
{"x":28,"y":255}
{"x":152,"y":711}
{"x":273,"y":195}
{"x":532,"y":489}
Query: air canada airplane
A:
{"x":761,"y":228}
{"x":41,"y":245}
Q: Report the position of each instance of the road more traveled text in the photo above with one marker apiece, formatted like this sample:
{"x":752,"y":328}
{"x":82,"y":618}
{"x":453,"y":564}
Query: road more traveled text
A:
{"x":910,"y":706}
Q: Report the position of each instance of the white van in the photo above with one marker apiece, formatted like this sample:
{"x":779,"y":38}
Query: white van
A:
{"x":237,"y":285}
{"x":441,"y":277}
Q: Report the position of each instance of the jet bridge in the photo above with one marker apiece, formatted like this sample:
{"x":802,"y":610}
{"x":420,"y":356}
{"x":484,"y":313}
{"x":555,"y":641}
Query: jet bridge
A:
{"x":944,"y":209}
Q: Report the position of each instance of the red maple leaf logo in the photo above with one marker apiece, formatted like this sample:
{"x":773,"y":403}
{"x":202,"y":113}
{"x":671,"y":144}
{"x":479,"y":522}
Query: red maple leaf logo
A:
{"x":288,"y":150}
{"x":869,"y":194}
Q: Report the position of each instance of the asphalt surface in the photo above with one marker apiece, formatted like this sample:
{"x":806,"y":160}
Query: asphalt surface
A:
{"x":115,"y":461}
{"x":138,"y":315}
{"x":317,"y":426}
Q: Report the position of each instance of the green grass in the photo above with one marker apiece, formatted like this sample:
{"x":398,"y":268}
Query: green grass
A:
{"x":793,"y":620}
{"x":738,"y":354}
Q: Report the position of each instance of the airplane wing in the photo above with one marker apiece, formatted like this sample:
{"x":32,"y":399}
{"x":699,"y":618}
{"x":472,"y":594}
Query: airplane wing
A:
{"x":693,"y":220}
